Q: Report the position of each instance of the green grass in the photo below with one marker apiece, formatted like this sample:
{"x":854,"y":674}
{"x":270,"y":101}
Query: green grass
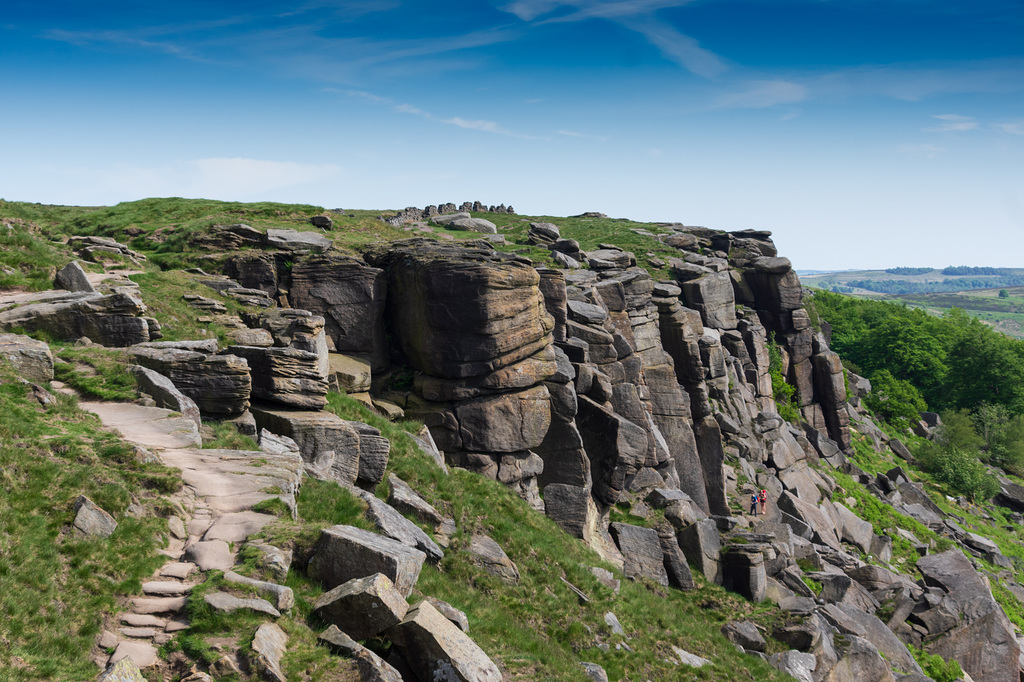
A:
{"x":27,"y":259}
{"x":96,"y":372}
{"x":54,"y":587}
{"x":225,"y":436}
{"x":162,"y":293}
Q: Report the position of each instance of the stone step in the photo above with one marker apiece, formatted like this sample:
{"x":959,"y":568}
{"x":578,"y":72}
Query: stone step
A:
{"x":138,"y":633}
{"x":177,"y":569}
{"x":166,"y":588}
{"x":140,"y":620}
{"x":148,"y":605}
{"x":176,"y":624}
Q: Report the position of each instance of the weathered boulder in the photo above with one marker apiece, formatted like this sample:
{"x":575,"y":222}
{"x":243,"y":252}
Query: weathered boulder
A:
{"x":223,"y":602}
{"x":488,"y":555}
{"x":348,"y":373}
{"x":110,"y":320}
{"x":642,"y":550}
{"x":220,"y":385}
{"x":294,"y":240}
{"x":73,"y":278}
{"x":984,"y":643}
{"x":253,"y":270}
{"x":702,"y":546}
{"x":431,"y":644}
{"x":316,"y":433}
{"x":344,"y":552}
{"x":91,"y":521}
{"x":745,"y":634}
{"x":859,"y":661}
{"x":269,"y":645}
{"x":743,"y":571}
{"x":617,"y":448}
{"x":285,"y":375}
{"x":362,"y":607}
{"x":406,"y":500}
{"x":30,"y":358}
{"x":164,"y":393}
{"x":854,"y":529}
{"x":507,"y":422}
{"x":797,"y":665}
{"x":395,"y":526}
{"x":712,"y":296}
{"x":372,"y":668}
{"x":282,"y":597}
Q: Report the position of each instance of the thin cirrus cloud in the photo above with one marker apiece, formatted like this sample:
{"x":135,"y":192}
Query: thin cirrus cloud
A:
{"x":466,"y":124}
{"x":952,"y":123}
{"x":761,"y":95}
{"x":1011,"y":127}
{"x":634,"y":15}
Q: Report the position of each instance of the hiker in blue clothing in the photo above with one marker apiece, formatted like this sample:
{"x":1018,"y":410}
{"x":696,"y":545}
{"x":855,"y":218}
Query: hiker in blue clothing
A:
{"x":753,"y":503}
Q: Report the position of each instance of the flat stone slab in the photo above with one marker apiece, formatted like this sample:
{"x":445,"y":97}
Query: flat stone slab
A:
{"x":147,"y":605}
{"x":142,"y":654}
{"x":238,"y":526}
{"x":212,"y":555}
{"x":233,"y":481}
{"x":166,"y":588}
{"x":149,"y":426}
{"x":226,"y":603}
{"x":140,"y":620}
{"x":178,"y":569}
{"x":138,"y":633}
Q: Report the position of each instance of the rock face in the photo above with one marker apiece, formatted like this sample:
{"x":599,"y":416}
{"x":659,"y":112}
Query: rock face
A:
{"x":984,"y":642}
{"x":350,"y":296}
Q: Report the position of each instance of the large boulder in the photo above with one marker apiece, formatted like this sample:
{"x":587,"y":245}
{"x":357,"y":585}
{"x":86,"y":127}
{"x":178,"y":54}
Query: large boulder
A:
{"x":702,"y":546}
{"x":30,"y":358}
{"x":435,"y":647}
{"x":712,"y":296}
{"x":362,"y":607}
{"x":110,"y":320}
{"x":642,"y":550}
{"x":285,"y":375}
{"x":345,"y":552}
{"x":316,"y":433}
{"x":984,"y":643}
{"x":219,"y":384}
{"x":164,"y":393}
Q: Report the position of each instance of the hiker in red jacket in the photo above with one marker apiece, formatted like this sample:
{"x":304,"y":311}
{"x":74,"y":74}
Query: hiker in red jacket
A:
{"x":763,"y":499}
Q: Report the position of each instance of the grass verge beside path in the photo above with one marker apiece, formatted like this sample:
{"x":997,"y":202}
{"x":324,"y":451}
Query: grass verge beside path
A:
{"x":54,"y":587}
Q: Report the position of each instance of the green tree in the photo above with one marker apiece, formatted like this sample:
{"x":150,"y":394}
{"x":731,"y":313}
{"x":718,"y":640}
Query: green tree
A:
{"x":1003,"y":293}
{"x":894,"y":400}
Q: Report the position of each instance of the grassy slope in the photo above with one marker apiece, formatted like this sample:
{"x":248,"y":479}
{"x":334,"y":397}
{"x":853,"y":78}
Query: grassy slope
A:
{"x":537,"y":629}
{"x":54,"y":587}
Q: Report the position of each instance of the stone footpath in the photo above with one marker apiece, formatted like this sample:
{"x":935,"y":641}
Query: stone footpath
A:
{"x":215,"y":517}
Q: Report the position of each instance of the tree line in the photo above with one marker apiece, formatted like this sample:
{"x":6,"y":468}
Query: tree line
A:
{"x":953,"y":364}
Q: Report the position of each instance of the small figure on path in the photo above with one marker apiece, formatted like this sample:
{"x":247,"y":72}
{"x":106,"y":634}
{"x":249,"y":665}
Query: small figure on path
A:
{"x":753,"y":503}
{"x":763,"y":499}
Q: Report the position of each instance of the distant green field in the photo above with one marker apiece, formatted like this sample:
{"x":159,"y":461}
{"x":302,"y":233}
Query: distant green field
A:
{"x":1003,"y":312}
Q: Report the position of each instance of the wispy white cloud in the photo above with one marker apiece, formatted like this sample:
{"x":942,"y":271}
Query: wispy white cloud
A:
{"x":952,"y":123}
{"x":926,"y":151}
{"x":761,"y":95}
{"x":1011,"y":127}
{"x":466,"y":124}
{"x":635,"y":15}
{"x":582,"y":136}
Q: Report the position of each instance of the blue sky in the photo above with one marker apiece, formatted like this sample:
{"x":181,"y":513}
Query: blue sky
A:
{"x":863,"y":133}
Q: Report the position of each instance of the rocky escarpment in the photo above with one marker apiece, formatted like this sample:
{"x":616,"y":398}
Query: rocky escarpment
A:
{"x":592,"y":391}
